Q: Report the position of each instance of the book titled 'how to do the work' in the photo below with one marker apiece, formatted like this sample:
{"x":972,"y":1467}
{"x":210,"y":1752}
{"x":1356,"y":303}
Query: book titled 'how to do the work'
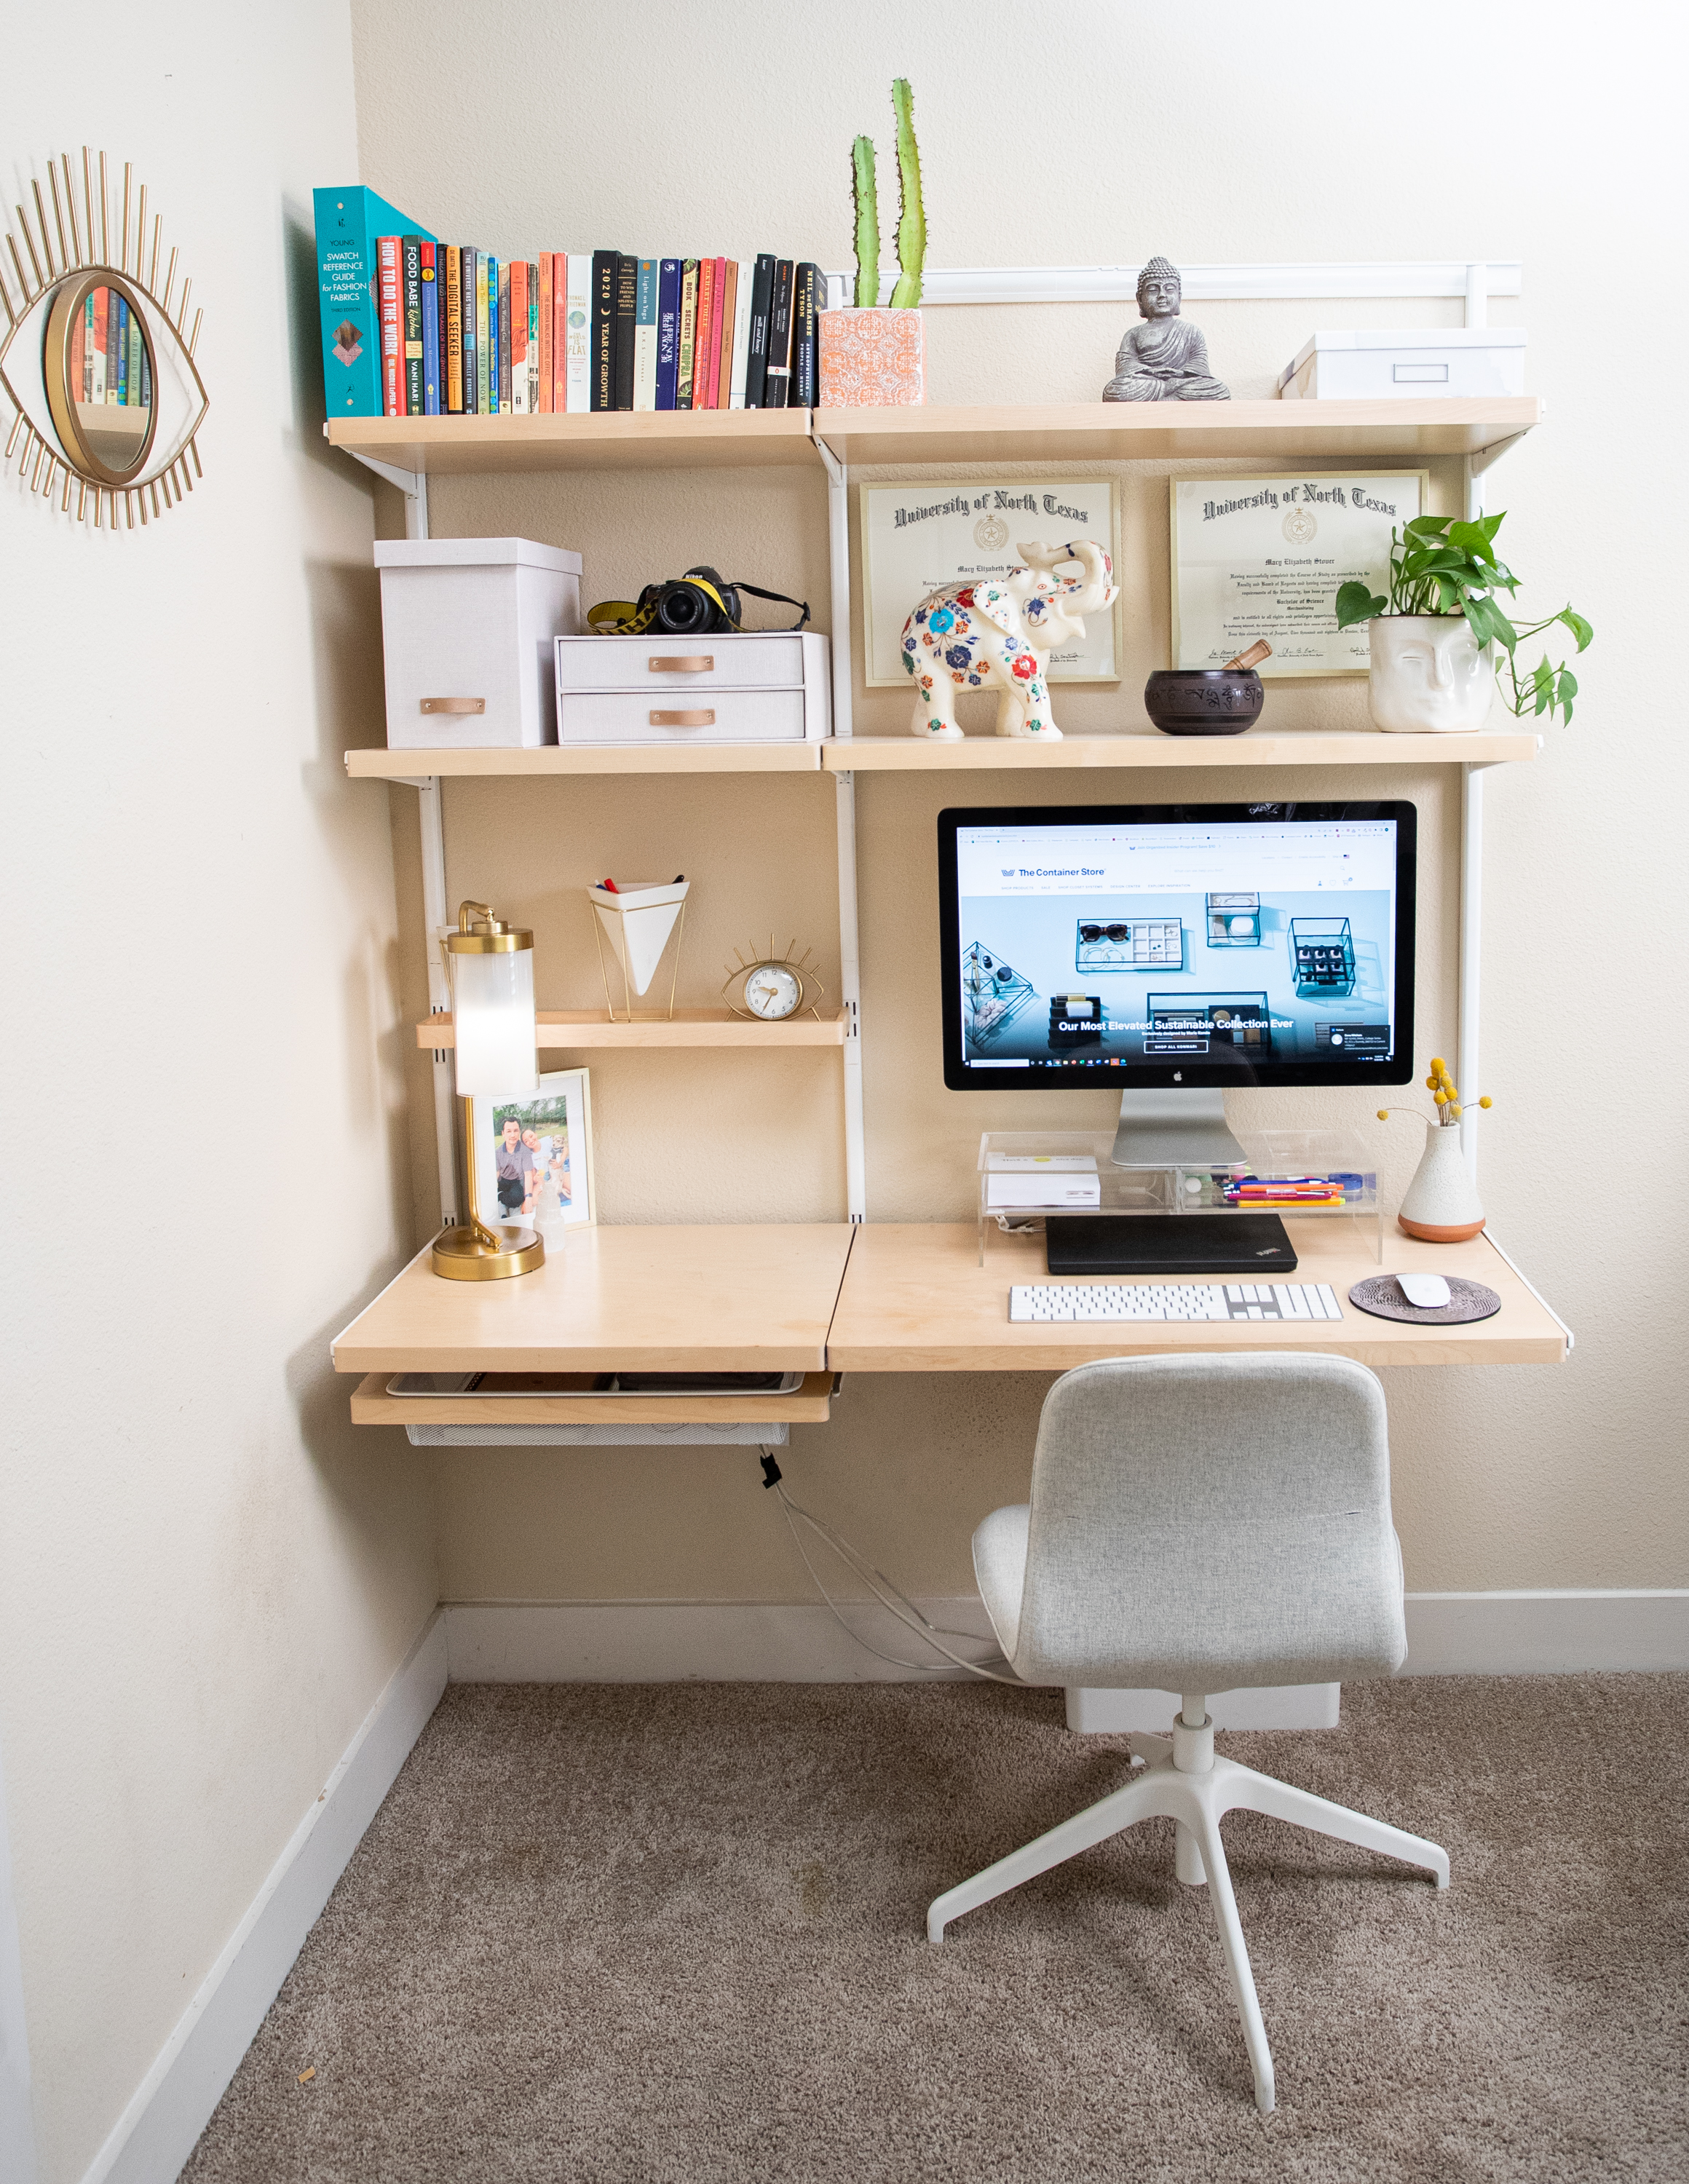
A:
{"x":414,"y":327}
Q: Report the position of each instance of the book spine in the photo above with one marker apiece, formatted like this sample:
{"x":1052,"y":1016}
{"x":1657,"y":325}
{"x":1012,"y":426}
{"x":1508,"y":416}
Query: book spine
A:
{"x":668,"y":331}
{"x":483,"y":334}
{"x":517,"y":355}
{"x":626,"y":312}
{"x":808,"y":288}
{"x":703,"y":395}
{"x":547,"y":308}
{"x":452,"y":377}
{"x":560,"y":332}
{"x":497,"y":288}
{"x":776,"y":386}
{"x":411,"y":275}
{"x":747,"y":273}
{"x":578,"y":360}
{"x":122,"y":353}
{"x":645,"y":337}
{"x":688,"y":333}
{"x":430,"y":331}
{"x":726,"y":307}
{"x":386,"y":250}
{"x":472,"y":333}
{"x":348,"y":300}
{"x":604,"y":329}
{"x":533,"y":337}
{"x":501,"y":339}
{"x":97,"y":320}
{"x":756,"y":365}
{"x":718,"y":397}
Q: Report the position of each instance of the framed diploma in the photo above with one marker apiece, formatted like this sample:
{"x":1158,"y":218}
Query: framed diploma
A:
{"x":917,"y":538}
{"x":1263,"y":557}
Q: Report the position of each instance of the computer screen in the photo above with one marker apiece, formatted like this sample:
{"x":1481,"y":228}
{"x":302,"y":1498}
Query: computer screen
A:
{"x":1194,"y":944}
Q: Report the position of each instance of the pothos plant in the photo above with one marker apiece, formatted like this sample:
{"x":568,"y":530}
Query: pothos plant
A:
{"x":912,"y":214}
{"x":1441,"y":565}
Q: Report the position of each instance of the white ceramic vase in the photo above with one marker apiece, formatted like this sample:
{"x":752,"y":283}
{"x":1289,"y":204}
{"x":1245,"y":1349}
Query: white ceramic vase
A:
{"x":1442,"y":1205}
{"x":1429,"y":675}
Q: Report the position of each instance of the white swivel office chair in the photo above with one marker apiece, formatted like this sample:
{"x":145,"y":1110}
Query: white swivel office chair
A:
{"x":1199,"y":1524}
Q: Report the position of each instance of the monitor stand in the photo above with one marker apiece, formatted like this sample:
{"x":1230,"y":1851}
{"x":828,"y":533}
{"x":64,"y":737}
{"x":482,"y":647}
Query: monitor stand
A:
{"x":1169,"y":1127}
{"x":1166,"y":1127}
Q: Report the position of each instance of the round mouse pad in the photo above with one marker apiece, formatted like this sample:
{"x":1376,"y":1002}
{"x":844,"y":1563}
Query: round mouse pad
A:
{"x":1381,"y":1295}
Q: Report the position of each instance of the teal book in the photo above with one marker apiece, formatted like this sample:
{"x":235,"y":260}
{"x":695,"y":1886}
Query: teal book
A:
{"x":348,"y":220}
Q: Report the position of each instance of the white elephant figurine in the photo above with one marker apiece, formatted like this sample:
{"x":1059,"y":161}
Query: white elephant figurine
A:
{"x":1002,"y":632}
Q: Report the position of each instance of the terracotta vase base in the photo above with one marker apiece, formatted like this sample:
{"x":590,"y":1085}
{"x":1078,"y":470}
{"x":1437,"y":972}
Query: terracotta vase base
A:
{"x":1427,"y":1233}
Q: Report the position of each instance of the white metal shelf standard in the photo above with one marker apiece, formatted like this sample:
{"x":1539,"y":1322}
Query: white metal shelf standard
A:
{"x":850,"y":954}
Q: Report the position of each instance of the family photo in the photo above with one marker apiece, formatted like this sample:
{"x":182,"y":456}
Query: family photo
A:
{"x":533,"y":1159}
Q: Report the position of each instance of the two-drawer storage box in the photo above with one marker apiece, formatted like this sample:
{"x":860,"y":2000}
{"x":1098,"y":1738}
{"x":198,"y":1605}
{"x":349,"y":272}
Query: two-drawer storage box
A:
{"x":751,"y":687}
{"x":468,"y":628}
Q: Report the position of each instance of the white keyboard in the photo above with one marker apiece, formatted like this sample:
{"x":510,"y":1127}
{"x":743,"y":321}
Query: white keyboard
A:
{"x":1165,"y":1301}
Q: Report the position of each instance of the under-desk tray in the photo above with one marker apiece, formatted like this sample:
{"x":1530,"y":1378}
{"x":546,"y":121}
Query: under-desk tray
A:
{"x":640,"y":1420}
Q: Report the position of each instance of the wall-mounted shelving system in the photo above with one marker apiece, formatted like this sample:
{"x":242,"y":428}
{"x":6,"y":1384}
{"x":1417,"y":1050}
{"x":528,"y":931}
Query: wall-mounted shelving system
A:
{"x":407,"y":451}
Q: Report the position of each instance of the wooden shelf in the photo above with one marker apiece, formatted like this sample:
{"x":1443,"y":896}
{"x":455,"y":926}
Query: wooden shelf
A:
{"x":372,"y":1405}
{"x":1133,"y":431}
{"x":573,"y":1027}
{"x":381,"y":764}
{"x":987,"y":753}
{"x":1079,"y":432}
{"x":611,"y":440}
{"x":721,"y":1298}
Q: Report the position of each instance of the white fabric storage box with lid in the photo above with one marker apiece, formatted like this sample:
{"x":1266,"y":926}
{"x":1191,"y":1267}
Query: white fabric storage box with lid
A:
{"x":1377,"y":363}
{"x":729,"y":686}
{"x":468,"y":627}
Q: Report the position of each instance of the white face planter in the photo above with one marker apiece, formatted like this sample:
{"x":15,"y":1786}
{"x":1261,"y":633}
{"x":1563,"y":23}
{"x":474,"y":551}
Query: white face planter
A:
{"x":1428,"y":675}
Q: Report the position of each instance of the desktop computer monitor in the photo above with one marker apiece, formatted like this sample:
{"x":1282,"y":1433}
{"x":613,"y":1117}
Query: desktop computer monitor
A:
{"x":1174,"y":950}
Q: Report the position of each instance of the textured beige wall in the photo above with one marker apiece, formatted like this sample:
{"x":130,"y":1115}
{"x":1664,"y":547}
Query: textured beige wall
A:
{"x":1095,"y":135}
{"x":206,"y":1576}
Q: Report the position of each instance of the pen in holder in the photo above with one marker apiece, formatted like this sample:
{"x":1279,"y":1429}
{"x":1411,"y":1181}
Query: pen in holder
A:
{"x":638,"y":920}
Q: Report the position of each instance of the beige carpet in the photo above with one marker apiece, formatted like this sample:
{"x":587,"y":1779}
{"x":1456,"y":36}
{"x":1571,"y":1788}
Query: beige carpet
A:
{"x":674,"y":1933}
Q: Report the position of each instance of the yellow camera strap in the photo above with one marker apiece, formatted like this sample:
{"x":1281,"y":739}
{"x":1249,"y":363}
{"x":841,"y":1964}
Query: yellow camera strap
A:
{"x":627,"y":618}
{"x":624,"y":618}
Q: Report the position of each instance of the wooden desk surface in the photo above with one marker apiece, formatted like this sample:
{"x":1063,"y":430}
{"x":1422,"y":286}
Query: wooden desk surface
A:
{"x":916,"y":1299}
{"x":666,"y":1300}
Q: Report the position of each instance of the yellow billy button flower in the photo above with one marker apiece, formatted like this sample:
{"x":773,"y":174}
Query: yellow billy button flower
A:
{"x":1441,"y":1098}
{"x":1486,"y":1101}
{"x":1383,"y":1114}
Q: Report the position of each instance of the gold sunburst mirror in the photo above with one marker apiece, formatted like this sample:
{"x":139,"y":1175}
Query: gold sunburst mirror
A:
{"x":97,"y":359}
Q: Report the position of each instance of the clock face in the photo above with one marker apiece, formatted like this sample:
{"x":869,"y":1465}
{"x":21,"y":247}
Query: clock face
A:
{"x":771,"y":991}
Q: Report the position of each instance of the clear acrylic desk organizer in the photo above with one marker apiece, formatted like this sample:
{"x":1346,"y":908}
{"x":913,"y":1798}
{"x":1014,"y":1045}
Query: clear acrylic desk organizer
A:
{"x":1187,"y":1193}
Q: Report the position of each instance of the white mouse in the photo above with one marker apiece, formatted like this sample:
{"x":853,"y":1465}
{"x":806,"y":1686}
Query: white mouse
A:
{"x":1427,"y":1291}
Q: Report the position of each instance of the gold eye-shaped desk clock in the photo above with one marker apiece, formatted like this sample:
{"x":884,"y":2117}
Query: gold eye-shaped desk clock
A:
{"x":772,"y":988}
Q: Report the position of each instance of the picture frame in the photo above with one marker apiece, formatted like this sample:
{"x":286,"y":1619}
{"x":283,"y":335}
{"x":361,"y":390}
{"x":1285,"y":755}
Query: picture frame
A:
{"x":558,"y":1178}
{"x":1283,"y":542}
{"x":919,"y":535}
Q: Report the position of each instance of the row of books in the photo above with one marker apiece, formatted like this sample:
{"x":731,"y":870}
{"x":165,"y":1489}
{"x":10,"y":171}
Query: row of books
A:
{"x":109,"y":362}
{"x":414,"y":327}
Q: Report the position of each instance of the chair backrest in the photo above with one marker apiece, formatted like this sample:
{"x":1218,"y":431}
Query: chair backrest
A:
{"x":1202,"y":1523}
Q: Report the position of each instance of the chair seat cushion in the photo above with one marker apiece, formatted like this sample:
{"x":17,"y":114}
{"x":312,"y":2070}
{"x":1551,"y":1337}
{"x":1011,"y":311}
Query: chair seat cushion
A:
{"x":999,"y":1567}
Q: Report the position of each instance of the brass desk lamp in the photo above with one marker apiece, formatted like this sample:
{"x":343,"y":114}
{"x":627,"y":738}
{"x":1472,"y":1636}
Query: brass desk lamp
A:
{"x":492,"y":971}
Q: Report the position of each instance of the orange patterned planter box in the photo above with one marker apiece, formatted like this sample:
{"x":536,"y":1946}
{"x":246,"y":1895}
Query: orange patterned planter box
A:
{"x":872,"y":360}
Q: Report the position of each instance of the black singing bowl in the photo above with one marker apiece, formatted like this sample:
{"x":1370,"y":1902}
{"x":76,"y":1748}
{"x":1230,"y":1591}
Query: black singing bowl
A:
{"x":1204,"y":701}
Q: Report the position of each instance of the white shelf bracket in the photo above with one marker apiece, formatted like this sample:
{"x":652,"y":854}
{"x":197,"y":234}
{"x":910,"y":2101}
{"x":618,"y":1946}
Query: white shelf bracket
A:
{"x":844,"y":789}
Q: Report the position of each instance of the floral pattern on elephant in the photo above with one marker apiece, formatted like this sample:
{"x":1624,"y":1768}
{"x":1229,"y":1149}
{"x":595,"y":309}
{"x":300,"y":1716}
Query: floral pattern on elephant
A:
{"x":1000,"y":634}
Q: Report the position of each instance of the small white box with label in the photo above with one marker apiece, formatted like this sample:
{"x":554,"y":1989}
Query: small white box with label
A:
{"x":468,"y":628}
{"x":1380,"y":363}
{"x":1039,"y":1179}
{"x":727,"y":686}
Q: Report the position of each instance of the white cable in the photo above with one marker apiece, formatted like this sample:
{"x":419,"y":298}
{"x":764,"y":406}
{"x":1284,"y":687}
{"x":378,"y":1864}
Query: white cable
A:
{"x":913,"y":1621}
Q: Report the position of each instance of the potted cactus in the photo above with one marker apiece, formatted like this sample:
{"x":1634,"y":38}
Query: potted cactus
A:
{"x":870,"y":357}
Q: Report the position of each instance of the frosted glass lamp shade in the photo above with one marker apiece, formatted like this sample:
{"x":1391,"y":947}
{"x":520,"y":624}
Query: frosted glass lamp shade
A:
{"x":493,"y":1011}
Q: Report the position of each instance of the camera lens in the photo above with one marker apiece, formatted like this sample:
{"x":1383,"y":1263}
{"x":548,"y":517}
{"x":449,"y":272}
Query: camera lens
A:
{"x":682,"y":607}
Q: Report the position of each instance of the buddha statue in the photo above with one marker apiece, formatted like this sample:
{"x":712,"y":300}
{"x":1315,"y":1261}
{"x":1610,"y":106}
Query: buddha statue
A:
{"x":1165,"y":360}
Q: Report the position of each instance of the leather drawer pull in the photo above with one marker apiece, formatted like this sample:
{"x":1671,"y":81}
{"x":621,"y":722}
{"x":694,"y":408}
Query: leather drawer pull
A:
{"x":455,"y":704}
{"x":701,"y":663}
{"x":683,"y":719}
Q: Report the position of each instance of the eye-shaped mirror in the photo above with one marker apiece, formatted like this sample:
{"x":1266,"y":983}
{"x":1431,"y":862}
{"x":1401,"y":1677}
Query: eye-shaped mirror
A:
{"x":96,"y":364}
{"x":98,"y":367}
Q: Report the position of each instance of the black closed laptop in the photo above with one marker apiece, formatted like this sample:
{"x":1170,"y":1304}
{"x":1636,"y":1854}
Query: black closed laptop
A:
{"x":1196,"y":1248}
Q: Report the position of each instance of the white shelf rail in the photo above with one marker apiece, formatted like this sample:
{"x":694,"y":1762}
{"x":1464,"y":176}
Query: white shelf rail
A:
{"x":1474,"y":280}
